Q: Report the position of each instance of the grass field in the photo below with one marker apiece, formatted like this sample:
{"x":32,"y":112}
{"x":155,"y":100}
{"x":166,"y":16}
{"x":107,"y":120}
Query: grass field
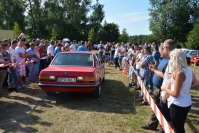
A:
{"x":116,"y":111}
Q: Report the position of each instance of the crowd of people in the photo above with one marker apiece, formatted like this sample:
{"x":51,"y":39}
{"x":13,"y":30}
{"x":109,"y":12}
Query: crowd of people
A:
{"x":164,"y":69}
{"x":22,"y":60}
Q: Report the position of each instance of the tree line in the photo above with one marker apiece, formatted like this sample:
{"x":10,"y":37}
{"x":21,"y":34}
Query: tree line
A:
{"x":83,"y":20}
{"x":57,"y":19}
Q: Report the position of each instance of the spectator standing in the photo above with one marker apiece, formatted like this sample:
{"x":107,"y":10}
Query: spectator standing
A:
{"x":101,"y":50}
{"x":178,"y":88}
{"x":57,"y":49}
{"x":50,"y":51}
{"x":42,"y":54}
{"x":82,"y":47}
{"x":73,"y":46}
{"x":107,"y":52}
{"x":145,"y":73}
{"x":31,"y":65}
{"x":89,"y":45}
{"x":116,"y":55}
{"x":37,"y":63}
{"x":159,"y":75}
{"x":121,"y":51}
{"x":12,"y":75}
{"x":112,"y":51}
{"x":4,"y":59}
{"x":20,"y":57}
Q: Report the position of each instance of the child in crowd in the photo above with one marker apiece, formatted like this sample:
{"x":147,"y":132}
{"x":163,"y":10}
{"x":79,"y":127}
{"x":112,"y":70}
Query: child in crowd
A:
{"x":125,"y":62}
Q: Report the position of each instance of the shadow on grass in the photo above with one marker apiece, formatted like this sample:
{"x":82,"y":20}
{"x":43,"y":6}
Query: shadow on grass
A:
{"x":193,"y":116}
{"x":14,"y":115}
{"x":115,"y":98}
{"x":17,"y":111}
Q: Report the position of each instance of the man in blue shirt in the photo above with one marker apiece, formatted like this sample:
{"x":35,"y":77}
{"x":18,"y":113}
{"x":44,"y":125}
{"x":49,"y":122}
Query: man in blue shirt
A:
{"x":82,"y":47}
{"x":57,"y":49}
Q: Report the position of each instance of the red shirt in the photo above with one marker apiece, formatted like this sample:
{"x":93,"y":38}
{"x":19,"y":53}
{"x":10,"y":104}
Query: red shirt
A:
{"x":42,"y":52}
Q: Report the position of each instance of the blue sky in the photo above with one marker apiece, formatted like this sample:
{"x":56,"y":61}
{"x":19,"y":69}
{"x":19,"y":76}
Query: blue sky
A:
{"x":130,"y":14}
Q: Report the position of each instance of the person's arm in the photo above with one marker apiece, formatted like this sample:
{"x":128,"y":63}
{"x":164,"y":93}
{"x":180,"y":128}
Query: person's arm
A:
{"x":158,"y":73}
{"x":22,"y":55}
{"x":179,"y":79}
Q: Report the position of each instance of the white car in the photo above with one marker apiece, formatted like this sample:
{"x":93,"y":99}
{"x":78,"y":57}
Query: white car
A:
{"x":190,"y":53}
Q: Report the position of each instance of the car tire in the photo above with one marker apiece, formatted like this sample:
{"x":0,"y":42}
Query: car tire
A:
{"x":97,"y":92}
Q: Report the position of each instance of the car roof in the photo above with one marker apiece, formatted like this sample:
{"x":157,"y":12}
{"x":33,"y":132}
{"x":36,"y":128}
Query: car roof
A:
{"x":79,"y":52}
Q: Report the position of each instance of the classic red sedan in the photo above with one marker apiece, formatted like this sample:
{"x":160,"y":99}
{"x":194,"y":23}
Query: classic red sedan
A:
{"x":80,"y":72}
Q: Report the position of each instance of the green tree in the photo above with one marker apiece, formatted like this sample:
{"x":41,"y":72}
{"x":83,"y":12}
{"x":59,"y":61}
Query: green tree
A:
{"x":124,"y":37}
{"x":97,"y":16}
{"x":171,"y":19}
{"x":109,"y":32}
{"x":54,"y":34}
{"x":193,"y":38}
{"x":141,"y":39}
{"x":92,"y":36}
{"x":12,"y":11}
{"x":17,"y":29}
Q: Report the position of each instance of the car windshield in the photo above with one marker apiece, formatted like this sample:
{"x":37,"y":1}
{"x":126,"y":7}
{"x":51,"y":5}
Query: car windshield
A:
{"x":73,"y":59}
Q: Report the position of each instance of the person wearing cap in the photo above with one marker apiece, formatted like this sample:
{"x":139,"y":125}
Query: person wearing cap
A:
{"x":50,"y":51}
{"x":82,"y":47}
{"x":20,"y":57}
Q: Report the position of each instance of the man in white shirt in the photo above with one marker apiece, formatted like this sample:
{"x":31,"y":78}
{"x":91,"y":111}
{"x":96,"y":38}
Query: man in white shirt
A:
{"x":73,"y":46}
{"x":12,"y":76}
{"x":50,"y":51}
{"x":20,"y":57}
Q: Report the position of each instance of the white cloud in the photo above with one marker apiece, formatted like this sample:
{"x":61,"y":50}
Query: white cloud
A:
{"x":128,"y":17}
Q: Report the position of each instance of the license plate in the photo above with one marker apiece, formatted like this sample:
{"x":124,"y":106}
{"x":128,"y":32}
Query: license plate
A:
{"x":66,"y":79}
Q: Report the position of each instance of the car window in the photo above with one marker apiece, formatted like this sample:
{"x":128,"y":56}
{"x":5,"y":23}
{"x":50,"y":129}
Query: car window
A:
{"x":73,"y":59}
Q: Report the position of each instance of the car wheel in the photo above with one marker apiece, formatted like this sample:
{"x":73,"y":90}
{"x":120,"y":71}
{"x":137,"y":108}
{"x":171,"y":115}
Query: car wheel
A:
{"x":97,"y":92}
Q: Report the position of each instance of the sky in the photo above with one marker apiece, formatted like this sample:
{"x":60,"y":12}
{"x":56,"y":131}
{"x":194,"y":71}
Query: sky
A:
{"x":132,"y":15}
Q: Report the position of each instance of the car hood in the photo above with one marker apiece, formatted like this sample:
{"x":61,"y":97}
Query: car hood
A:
{"x":67,"y":71}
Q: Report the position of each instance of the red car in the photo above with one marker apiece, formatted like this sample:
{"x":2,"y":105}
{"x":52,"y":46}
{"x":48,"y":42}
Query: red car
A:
{"x":195,"y":59}
{"x":80,"y":72}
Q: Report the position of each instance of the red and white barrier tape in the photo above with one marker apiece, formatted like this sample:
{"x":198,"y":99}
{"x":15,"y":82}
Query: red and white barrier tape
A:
{"x":165,"y":125}
{"x":19,"y":63}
